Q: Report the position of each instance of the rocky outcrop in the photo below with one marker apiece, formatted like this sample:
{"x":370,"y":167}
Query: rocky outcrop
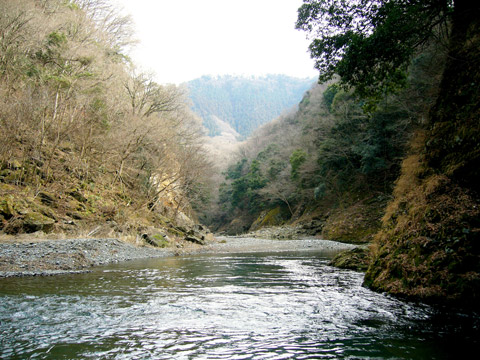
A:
{"x":355,"y":259}
{"x":198,"y":234}
{"x":34,"y":221}
{"x":156,"y":239}
{"x":269,"y":218}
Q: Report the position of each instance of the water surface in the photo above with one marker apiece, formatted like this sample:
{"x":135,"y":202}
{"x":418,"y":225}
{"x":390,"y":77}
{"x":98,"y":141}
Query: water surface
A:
{"x":288,"y":305}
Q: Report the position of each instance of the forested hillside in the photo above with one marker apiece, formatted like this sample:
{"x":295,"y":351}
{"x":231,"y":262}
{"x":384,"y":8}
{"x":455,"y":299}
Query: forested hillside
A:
{"x":89,"y":145}
{"x":328,"y":161}
{"x":245,"y":103}
{"x":385,"y":149}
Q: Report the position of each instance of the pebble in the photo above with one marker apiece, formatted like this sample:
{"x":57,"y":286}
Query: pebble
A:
{"x":51,"y":257}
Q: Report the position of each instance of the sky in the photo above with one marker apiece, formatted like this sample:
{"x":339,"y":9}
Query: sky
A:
{"x":181,"y":40}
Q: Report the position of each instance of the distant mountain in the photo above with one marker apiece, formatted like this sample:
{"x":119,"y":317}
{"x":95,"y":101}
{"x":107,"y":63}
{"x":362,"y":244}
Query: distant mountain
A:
{"x":244,"y":103}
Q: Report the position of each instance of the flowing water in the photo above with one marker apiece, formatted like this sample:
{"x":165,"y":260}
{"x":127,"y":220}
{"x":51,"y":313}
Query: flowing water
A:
{"x":287,"y":305}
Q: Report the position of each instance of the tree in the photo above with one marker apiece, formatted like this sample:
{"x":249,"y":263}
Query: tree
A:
{"x":297,"y":158}
{"x":436,"y":199}
{"x":74,"y":113}
{"x":370,"y":43}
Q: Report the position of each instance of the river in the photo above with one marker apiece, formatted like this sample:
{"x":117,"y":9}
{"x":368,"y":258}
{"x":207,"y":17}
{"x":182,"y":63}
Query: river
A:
{"x":281,"y":305}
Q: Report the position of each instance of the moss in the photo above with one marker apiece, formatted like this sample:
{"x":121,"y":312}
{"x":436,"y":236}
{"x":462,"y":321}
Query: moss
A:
{"x":356,"y":223}
{"x":355,"y":259}
{"x":6,"y":207}
{"x":273,"y":217}
{"x":34,"y":221}
{"x":157,"y":240}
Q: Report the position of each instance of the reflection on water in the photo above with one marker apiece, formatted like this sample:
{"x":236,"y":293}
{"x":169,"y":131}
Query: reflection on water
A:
{"x":250,"y":306}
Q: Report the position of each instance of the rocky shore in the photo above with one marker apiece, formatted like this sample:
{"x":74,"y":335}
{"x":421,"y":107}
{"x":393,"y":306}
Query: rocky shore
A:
{"x":52,"y":257}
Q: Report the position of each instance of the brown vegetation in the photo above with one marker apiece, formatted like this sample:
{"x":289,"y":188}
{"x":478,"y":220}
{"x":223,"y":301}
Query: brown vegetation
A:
{"x":429,"y":245}
{"x":86,"y":138}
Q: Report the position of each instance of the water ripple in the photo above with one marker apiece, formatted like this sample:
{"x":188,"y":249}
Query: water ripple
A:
{"x":283,"y":306}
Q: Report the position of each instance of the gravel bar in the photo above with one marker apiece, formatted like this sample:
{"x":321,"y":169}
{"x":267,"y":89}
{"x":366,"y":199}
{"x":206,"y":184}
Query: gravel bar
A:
{"x":227,"y":244}
{"x":53,"y":257}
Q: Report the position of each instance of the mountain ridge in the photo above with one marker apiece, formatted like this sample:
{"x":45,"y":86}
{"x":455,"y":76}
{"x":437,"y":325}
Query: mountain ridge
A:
{"x":245,"y":103}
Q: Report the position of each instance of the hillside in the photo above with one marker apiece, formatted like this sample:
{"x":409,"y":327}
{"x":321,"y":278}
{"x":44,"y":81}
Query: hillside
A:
{"x":380,"y":154}
{"x":327,"y":162}
{"x":244,"y":103}
{"x":90,"y":145}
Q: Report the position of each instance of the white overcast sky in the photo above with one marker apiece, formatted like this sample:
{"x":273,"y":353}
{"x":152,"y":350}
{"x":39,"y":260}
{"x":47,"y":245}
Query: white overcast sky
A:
{"x":181,"y":40}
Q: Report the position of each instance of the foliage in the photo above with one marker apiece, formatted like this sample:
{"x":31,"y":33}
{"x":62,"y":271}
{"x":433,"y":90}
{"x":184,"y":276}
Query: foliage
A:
{"x":428,"y":245}
{"x":370,"y":44}
{"x":330,"y":150}
{"x":297,"y":158}
{"x":244,"y":103}
{"x":242,"y":191}
{"x":329,"y":95}
{"x":75,"y":112}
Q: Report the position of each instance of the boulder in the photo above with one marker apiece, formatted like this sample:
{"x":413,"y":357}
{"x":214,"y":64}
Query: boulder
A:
{"x":157,"y":240}
{"x":195,"y":239}
{"x":6,"y":208}
{"x":34,"y":221}
{"x":354,"y":259}
{"x":46,"y":198}
{"x":313,"y":227}
{"x":199,"y":234}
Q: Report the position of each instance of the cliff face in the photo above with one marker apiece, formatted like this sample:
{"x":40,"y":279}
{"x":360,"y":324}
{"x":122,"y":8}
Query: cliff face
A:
{"x":429,"y":247}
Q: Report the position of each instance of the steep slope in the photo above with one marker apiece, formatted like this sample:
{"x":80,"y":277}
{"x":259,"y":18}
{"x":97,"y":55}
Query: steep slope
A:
{"x":88,"y":144}
{"x":429,"y":246}
{"x":244,"y":102}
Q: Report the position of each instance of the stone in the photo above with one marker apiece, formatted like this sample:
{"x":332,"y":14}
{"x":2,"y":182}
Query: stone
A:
{"x":355,"y":259}
{"x":34,"y":221}
{"x":46,"y":198}
{"x":195,"y":239}
{"x":6,"y":208}
{"x":157,"y":240}
{"x":77,"y":195}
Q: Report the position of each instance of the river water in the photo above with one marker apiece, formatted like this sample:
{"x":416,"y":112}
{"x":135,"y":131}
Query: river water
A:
{"x":285,"y":305}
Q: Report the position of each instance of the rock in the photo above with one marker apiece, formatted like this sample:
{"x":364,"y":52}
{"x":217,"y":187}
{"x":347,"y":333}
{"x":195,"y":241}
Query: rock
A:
{"x":313,"y":227}
{"x":209,"y":237}
{"x":157,"y":240}
{"x":34,"y":221}
{"x":77,"y":195}
{"x":75,"y":215}
{"x":182,"y":229}
{"x":6,"y":208}
{"x":200,"y":227}
{"x":46,"y":198}
{"x":271,"y":218}
{"x":354,"y":259}
{"x":199,"y":234}
{"x":195,"y":239}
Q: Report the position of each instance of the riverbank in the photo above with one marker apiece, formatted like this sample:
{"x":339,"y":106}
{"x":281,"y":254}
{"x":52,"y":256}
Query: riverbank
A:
{"x":52,"y":257}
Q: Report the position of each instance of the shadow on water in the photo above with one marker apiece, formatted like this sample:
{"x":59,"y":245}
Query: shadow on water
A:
{"x":231,"y":306}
